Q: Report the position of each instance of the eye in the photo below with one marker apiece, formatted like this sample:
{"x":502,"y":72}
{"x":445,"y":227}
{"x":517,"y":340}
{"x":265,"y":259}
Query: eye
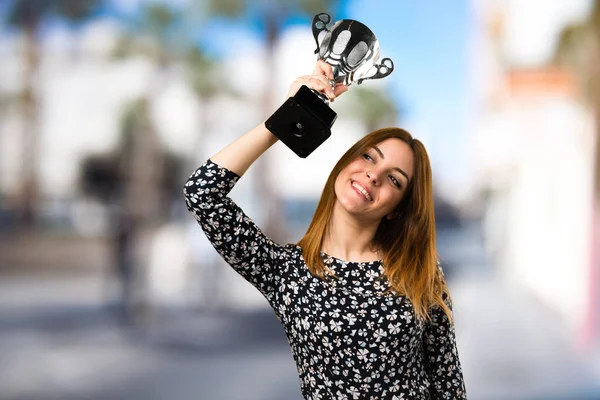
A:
{"x":367,"y":157}
{"x":395,"y":181}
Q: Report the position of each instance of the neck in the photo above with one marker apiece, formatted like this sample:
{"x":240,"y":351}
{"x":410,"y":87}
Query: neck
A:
{"x":350,"y":239}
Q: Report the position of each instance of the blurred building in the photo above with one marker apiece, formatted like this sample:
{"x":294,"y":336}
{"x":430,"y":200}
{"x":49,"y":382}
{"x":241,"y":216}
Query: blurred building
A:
{"x":83,"y":94}
{"x":534,"y":141}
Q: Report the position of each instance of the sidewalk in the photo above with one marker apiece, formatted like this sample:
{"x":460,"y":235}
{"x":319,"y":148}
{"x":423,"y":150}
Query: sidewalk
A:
{"x":510,"y":348}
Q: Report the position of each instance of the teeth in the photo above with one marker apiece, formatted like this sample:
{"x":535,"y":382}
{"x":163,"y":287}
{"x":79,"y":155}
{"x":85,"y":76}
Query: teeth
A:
{"x":362,"y":190}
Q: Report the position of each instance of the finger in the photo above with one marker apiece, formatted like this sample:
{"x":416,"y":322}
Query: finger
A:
{"x":339,"y":89}
{"x":318,"y":83}
{"x":322,"y":68}
{"x":324,"y":80}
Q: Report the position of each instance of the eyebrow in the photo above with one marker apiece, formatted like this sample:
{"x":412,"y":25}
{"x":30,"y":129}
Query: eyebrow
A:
{"x":378,"y":150}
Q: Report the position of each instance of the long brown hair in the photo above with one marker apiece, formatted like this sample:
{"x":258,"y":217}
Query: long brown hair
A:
{"x":407,"y":241}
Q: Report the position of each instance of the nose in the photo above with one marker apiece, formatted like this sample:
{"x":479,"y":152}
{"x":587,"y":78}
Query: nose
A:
{"x":372,"y":177}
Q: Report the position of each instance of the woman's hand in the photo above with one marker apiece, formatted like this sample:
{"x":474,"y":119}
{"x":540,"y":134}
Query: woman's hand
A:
{"x":320,"y":80}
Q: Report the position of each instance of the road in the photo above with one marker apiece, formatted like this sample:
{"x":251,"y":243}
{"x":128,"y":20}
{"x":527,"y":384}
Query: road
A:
{"x":59,"y":340}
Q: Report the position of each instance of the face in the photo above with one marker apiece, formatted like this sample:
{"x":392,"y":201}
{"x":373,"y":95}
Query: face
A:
{"x":371,"y":186}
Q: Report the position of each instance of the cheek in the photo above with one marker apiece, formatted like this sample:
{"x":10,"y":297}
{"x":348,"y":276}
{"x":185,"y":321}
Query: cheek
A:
{"x":343,"y":177}
{"x":392,"y":199}
{"x":337,"y":186}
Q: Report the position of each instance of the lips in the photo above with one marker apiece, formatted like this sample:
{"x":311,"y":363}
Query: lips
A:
{"x":362,"y":190}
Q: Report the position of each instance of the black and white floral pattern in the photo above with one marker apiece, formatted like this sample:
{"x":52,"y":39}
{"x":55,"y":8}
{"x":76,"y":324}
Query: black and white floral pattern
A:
{"x":348,"y":338}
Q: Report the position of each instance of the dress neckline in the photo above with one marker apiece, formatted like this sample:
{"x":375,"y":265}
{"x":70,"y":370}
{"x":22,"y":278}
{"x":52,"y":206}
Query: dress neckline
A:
{"x":348,"y":262}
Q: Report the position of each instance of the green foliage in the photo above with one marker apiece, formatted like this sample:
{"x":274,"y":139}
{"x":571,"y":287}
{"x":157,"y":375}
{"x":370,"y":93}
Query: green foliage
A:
{"x":200,"y":73}
{"x":76,"y":10}
{"x":227,"y":8}
{"x":282,"y":8}
{"x":578,"y":49}
{"x":374,"y":106}
{"x":29,"y":13}
{"x":158,"y":20}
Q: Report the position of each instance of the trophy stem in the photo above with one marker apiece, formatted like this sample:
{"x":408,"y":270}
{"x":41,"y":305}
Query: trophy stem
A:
{"x":324,"y":98}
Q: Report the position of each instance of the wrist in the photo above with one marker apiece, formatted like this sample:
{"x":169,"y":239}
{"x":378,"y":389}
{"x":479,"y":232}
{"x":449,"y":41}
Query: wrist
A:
{"x":270,"y":137}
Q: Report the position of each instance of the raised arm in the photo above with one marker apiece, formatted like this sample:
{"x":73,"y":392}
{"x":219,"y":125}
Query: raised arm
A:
{"x":232,"y":233}
{"x":239,"y":155}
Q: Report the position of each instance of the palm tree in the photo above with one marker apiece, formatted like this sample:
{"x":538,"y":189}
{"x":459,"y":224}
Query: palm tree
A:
{"x":375,"y":107}
{"x":273,"y":14}
{"x":200,"y":73}
{"x":144,"y":168}
{"x":27,"y":16}
{"x":162,"y":36}
{"x":579,"y":50}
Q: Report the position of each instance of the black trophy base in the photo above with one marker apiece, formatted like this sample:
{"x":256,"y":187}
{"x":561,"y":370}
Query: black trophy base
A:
{"x":303,"y":122}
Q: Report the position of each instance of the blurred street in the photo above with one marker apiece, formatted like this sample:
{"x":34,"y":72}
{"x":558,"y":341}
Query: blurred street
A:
{"x":60,"y":340}
{"x":110,"y":290}
{"x":81,"y":353}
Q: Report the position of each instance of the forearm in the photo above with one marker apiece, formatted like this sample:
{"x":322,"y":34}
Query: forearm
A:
{"x":239,"y":155}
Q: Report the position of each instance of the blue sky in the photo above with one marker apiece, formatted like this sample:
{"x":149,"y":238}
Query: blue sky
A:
{"x":430,"y":82}
{"x":428,"y":45}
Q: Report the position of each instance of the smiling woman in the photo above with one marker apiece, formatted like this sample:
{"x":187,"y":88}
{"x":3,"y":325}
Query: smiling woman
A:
{"x":384,"y":206}
{"x":381,"y":181}
{"x":361,"y":297}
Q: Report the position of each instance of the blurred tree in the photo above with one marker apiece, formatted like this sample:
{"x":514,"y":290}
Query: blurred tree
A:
{"x":374,"y":106}
{"x":160,"y":34}
{"x":144,"y":160}
{"x":202,"y":74}
{"x":28,"y":17}
{"x":146,"y":172}
{"x":151,"y":177}
{"x":111,"y":179}
{"x":578,"y":49}
{"x":153,"y":34}
{"x":273,"y":14}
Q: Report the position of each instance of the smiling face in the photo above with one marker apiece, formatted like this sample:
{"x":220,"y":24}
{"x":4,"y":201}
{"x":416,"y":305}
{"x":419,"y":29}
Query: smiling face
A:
{"x":372,"y":185}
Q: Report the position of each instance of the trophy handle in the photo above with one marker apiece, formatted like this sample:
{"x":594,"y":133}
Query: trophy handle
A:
{"x":381,"y":70}
{"x":319,"y":24}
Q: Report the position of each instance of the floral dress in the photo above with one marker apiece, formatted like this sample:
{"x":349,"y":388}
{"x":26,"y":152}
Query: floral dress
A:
{"x":349,"y":339}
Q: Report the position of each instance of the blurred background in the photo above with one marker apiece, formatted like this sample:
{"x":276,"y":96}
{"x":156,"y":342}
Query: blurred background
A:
{"x":109,"y":289}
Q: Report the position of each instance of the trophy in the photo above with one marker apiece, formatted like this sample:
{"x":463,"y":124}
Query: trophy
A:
{"x":304,"y":121}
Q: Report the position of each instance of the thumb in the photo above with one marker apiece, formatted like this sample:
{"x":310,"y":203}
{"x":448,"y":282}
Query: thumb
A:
{"x":339,"y":89}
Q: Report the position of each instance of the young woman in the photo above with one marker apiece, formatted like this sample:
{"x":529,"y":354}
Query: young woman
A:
{"x":361,"y":297}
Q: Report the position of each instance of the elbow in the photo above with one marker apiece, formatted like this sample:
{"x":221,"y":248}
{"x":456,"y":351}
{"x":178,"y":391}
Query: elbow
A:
{"x":187,"y":189}
{"x":191,"y":193}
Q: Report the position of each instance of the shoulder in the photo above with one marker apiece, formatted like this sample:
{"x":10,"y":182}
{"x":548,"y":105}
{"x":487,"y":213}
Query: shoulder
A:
{"x":292,"y":251}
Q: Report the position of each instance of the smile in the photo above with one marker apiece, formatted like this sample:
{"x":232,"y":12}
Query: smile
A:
{"x":362,"y":191}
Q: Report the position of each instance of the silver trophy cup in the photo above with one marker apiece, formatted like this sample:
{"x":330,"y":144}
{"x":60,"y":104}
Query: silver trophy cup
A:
{"x":304,"y":121}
